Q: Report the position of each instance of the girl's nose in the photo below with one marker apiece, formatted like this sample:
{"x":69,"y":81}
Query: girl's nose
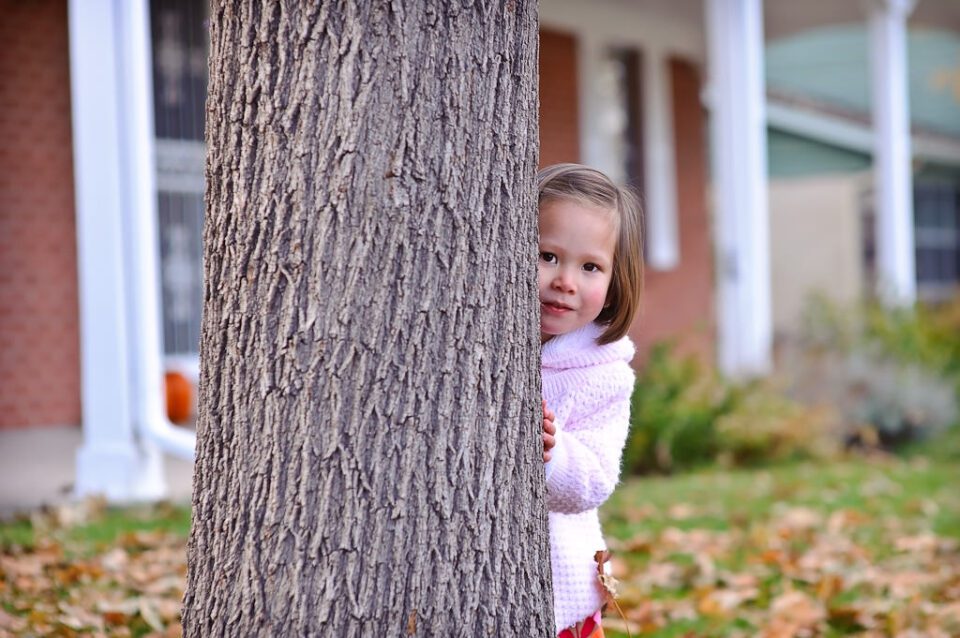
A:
{"x":564,"y":281}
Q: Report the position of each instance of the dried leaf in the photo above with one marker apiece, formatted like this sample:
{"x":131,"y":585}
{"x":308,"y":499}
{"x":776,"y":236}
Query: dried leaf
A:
{"x":148,"y":612}
{"x":412,"y":623}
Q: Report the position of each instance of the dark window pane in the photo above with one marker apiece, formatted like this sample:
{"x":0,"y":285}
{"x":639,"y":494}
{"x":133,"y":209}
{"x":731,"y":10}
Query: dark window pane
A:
{"x":181,"y":232}
{"x":180,"y":45}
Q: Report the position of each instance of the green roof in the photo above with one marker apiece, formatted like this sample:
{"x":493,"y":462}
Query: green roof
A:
{"x":829,"y":66}
{"x":790,"y":155}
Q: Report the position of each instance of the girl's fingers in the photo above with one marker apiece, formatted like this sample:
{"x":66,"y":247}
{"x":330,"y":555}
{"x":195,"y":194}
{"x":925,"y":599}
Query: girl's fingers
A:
{"x":548,"y":441}
{"x":549,"y":427}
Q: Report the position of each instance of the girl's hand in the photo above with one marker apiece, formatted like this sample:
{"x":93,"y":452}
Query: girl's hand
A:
{"x":549,"y":430}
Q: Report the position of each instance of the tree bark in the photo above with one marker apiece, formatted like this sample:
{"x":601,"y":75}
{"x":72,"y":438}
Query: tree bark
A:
{"x":368,"y":458}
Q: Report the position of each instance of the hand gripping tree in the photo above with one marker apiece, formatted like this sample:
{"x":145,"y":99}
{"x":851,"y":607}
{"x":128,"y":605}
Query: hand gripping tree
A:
{"x":368,"y":458}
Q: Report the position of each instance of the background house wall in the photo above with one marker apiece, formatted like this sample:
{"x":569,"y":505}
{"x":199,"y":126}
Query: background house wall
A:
{"x":677,"y":302}
{"x":559,"y":98}
{"x":816,"y":236}
{"x":821,"y":185}
{"x":39,"y":333}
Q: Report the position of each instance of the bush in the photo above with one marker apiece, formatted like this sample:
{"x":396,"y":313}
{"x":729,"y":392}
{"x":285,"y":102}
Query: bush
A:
{"x":894,"y":376}
{"x":925,"y":335}
{"x":684,"y":415}
{"x":673,"y":410}
{"x":863,"y":376}
{"x":768,"y":427}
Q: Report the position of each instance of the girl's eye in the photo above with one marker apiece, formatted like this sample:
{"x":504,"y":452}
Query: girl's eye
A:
{"x":591,"y":267}
{"x":550,"y":258}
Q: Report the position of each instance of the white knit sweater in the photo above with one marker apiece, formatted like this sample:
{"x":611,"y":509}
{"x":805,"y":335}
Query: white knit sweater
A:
{"x":588,"y":387}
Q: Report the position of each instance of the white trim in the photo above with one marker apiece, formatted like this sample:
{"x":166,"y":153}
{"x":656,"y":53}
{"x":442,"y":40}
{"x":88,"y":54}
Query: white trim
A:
{"x":144,"y":262}
{"x":851,"y":135}
{"x":592,"y":152}
{"x":738,"y":151}
{"x":660,"y":178}
{"x":116,"y":236}
{"x":624,"y":24}
{"x":893,"y":178}
{"x":594,"y":27}
{"x":110,"y":461}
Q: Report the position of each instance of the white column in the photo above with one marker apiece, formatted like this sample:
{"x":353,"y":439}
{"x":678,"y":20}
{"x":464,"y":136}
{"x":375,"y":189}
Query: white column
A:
{"x":893,"y":181}
{"x":739,"y":158}
{"x":660,"y":178}
{"x":143,"y":260}
{"x":593,"y":152}
{"x":111,"y":460}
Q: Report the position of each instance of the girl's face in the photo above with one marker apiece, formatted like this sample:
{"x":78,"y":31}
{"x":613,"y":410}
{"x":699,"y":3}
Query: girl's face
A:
{"x":577,"y":243}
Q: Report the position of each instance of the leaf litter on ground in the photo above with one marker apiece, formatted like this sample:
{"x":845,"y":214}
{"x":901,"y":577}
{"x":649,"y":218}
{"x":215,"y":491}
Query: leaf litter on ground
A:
{"x":860,"y":548}
{"x":857,"y":548}
{"x":82,"y":577}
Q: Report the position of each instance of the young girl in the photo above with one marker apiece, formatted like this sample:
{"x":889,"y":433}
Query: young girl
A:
{"x":590,"y":274}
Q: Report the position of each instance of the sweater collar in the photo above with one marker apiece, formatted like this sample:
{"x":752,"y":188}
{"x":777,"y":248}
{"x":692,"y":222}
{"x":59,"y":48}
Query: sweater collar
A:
{"x":579,"y":349}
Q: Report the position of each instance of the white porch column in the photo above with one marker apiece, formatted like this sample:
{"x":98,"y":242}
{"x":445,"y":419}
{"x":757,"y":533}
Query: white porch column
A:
{"x":893,"y":181}
{"x":143,"y":261}
{"x":593,"y":149}
{"x":660,"y":179}
{"x":739,"y":153}
{"x":113,"y":459}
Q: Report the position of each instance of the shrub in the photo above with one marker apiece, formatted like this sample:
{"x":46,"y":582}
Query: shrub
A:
{"x":674,"y":406}
{"x":767,"y":427}
{"x":894,"y":376}
{"x":862,"y":376}
{"x":927,"y":335}
{"x":684,"y":414}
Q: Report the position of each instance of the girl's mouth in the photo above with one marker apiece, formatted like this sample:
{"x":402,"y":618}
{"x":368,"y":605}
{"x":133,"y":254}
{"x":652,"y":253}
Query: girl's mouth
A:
{"x":554,"y":307}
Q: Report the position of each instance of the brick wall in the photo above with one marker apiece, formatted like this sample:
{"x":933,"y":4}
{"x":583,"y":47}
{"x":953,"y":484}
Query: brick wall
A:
{"x":39,"y":335}
{"x":559,"y":99}
{"x":39,"y":349}
{"x":679,"y":304}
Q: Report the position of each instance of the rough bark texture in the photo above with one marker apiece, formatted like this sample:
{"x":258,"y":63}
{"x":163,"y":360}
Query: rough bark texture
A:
{"x":368,"y":456}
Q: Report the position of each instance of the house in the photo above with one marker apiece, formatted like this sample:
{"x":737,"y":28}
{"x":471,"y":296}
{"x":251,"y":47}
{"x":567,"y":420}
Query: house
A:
{"x":699,"y":103}
{"x":820,"y":148}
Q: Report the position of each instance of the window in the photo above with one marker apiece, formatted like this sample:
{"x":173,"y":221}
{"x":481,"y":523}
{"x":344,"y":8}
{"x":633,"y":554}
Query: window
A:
{"x":619,"y":121}
{"x":180,"y":44}
{"x":936,"y":210}
{"x":936,"y":214}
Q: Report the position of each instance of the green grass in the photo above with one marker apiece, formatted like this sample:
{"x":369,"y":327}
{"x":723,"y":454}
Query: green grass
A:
{"x":762,"y":525}
{"x":773,"y":525}
{"x":18,"y":532}
{"x":106,"y":526}
{"x":117,"y":522}
{"x":722,"y":500}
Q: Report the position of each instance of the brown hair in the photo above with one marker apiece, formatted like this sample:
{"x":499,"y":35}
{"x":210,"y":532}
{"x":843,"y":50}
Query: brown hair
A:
{"x":591,"y":187}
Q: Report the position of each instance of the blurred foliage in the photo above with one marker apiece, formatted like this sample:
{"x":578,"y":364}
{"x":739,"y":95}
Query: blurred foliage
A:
{"x":684,"y":414}
{"x":859,"y":377}
{"x":926,"y":335}
{"x":894,"y":375}
{"x":767,"y":427}
{"x":675,"y":404}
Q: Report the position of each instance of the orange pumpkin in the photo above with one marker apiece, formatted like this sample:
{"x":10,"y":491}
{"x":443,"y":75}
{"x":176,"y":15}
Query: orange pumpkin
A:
{"x":179,"y":397}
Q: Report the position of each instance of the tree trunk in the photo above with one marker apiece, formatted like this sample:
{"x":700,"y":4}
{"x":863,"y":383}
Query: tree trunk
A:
{"x":368,"y":458}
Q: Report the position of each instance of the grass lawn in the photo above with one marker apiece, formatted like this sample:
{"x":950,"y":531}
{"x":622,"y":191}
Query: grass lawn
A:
{"x":859,"y":547}
{"x":864,"y":547}
{"x":89,"y":570}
